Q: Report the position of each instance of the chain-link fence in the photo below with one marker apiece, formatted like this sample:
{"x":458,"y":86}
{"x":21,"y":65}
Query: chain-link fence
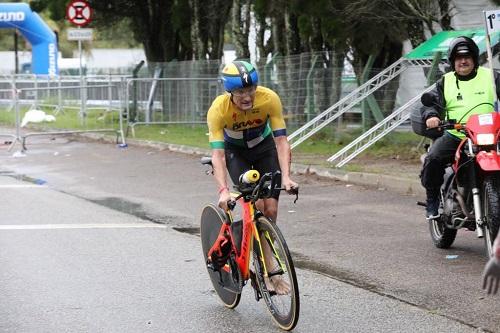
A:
{"x":182,"y":91}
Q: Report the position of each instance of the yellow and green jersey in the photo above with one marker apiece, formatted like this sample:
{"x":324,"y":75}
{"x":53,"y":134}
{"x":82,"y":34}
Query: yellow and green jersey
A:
{"x":246,"y":129}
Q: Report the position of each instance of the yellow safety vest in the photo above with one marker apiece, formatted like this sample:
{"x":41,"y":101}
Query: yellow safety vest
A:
{"x":465,"y":98}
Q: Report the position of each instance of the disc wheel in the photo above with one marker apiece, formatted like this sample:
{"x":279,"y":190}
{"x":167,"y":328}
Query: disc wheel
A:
{"x":226,"y":281}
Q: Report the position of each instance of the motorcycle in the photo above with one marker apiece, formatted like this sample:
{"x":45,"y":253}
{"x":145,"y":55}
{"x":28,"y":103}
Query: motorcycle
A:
{"x":470,"y":193}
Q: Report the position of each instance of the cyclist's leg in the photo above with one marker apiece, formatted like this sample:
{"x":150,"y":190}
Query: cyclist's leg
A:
{"x":267,"y":161}
{"x":236,"y":163}
{"x":274,"y":283}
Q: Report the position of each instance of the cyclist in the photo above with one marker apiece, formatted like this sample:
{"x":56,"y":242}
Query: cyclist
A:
{"x":247,"y":131}
{"x":465,"y":88}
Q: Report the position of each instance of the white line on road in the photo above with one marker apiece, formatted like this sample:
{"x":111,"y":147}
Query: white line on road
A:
{"x":22,"y":186}
{"x":79,"y":226}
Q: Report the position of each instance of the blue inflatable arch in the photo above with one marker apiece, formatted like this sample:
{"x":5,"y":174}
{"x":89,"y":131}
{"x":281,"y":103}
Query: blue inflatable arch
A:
{"x":33,"y":28}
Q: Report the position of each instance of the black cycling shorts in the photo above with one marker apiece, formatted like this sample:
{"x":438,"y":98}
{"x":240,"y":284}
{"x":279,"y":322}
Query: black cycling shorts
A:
{"x":263,"y":158}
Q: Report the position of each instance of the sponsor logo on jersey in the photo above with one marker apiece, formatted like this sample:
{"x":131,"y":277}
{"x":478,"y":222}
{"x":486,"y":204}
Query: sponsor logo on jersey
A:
{"x":245,"y":124}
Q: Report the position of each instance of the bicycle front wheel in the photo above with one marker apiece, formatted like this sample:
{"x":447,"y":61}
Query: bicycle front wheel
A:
{"x":211,"y":222}
{"x":279,"y":289}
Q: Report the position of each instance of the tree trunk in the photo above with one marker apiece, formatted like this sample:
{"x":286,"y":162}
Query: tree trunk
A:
{"x":240,"y":26}
{"x":217,"y":11}
{"x":196,"y":42}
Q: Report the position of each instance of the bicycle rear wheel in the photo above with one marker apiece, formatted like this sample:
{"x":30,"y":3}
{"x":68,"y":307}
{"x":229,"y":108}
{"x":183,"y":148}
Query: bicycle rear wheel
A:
{"x":283,"y":307}
{"x":211,"y":222}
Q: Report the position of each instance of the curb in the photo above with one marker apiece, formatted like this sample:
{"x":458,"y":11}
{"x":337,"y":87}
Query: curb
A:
{"x":403,"y":185}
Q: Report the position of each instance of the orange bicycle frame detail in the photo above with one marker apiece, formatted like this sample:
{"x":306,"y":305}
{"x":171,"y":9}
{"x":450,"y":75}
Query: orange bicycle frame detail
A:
{"x":249,"y":233}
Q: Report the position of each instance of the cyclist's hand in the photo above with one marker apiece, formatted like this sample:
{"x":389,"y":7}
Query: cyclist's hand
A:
{"x":289,"y":185}
{"x":224,"y":197}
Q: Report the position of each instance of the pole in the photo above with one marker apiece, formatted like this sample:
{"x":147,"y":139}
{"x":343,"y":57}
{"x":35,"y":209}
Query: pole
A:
{"x":490,"y":59}
{"x":82,"y":99}
{"x":16,"y":60}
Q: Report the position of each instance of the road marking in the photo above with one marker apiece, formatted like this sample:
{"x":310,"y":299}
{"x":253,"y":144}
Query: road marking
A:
{"x":80,"y":226}
{"x":22,"y":186}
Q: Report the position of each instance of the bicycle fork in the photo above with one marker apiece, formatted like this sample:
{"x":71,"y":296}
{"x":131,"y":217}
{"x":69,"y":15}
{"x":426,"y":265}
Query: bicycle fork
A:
{"x":263,"y":264}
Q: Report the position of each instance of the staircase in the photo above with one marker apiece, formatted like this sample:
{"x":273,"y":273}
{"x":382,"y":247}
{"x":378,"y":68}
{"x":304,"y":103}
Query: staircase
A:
{"x":348,"y":102}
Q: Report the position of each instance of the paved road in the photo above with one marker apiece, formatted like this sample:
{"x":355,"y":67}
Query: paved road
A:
{"x":365,"y":256}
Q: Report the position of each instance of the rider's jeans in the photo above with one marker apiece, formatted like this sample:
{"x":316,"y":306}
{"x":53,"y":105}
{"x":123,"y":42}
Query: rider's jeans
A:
{"x":441,"y":153}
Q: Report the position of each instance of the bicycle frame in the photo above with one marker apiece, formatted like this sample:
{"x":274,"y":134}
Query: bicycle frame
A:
{"x":228,"y":246}
{"x":249,"y":233}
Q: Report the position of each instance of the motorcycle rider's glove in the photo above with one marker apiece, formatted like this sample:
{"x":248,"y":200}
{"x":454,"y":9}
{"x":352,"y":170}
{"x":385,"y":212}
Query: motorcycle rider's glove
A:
{"x":491,"y":276}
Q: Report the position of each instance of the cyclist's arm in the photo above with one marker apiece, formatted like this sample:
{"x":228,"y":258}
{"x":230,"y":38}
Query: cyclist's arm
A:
{"x":216,"y":139}
{"x":278,"y":127}
{"x":284,"y":156}
{"x":220,"y":170}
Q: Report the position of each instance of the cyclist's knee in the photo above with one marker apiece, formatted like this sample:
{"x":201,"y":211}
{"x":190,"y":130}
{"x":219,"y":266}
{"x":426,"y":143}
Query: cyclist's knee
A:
{"x":271,"y":211}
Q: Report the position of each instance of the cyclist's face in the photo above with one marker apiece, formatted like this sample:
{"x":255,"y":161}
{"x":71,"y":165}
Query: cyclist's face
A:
{"x":464,"y":65}
{"x":243,"y":98}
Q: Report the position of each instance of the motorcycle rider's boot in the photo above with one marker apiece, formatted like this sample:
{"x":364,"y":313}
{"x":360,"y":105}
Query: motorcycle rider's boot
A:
{"x":432,"y":207}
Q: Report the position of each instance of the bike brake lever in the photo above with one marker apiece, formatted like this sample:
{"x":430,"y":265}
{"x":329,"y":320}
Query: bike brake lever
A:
{"x":296,"y":192}
{"x":291,"y":192}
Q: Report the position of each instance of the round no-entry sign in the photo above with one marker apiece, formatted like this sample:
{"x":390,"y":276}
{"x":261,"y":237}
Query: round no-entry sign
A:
{"x":79,"y":13}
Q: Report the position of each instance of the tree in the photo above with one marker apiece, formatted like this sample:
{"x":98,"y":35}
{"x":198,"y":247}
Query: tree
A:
{"x":240,"y":27}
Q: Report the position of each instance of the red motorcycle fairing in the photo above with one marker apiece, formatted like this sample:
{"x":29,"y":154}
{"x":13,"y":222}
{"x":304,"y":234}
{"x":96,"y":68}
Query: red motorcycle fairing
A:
{"x":483,"y":123}
{"x":480,"y":124}
{"x":488,"y":160}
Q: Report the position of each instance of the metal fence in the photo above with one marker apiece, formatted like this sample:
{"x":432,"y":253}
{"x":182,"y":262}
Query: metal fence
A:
{"x":180,"y":92}
{"x":73,"y":104}
{"x":169,"y":101}
{"x":183,"y":91}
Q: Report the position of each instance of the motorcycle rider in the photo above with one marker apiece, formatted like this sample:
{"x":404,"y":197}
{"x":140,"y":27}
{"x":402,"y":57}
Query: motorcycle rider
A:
{"x":458,"y":92}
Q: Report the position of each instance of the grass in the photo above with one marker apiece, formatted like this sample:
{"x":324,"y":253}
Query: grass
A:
{"x":189,"y":135}
{"x":397,"y":145}
{"x":68,"y":119}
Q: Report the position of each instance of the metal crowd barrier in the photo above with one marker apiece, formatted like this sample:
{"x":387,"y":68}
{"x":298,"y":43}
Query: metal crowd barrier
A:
{"x":97,"y":98}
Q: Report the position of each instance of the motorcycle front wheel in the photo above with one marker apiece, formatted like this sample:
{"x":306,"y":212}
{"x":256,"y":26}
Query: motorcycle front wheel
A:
{"x":442,"y":236}
{"x":491,"y":210}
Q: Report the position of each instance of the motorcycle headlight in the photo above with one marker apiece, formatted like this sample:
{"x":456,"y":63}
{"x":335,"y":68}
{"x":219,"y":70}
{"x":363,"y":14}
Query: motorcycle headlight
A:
{"x":485,"y":139}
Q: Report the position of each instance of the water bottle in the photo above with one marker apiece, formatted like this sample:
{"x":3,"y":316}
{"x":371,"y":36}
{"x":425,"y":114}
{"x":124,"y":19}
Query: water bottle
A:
{"x":249,"y":177}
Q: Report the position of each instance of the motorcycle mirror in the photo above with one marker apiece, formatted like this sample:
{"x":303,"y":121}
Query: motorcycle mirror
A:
{"x":428,"y":99}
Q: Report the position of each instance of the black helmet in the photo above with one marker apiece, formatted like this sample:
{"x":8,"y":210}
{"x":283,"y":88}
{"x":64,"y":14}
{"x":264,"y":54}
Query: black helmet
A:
{"x":463,"y":45}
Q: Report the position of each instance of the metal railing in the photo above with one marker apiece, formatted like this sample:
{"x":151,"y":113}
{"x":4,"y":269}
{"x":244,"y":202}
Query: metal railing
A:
{"x":79,"y":105}
{"x":377,"y":132}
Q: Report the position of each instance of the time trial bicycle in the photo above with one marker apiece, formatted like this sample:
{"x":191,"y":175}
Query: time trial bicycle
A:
{"x":231,"y":247}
